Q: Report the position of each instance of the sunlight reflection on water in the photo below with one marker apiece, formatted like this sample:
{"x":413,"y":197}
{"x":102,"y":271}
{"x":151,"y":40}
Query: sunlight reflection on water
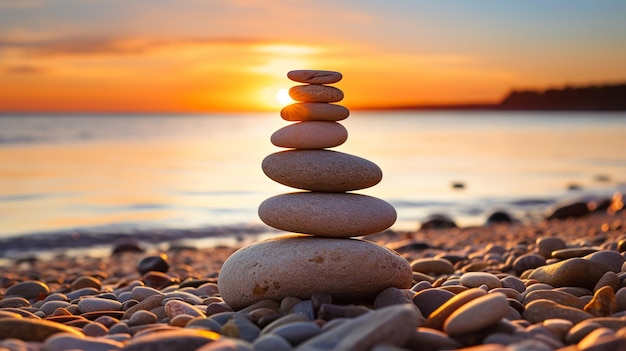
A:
{"x":68,"y":172}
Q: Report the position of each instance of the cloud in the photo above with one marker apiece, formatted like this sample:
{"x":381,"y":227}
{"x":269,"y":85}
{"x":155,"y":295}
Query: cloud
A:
{"x":26,"y":69}
{"x":115,"y":46}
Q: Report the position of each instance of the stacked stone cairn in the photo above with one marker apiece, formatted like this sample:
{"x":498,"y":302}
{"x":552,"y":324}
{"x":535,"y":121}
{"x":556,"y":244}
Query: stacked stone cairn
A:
{"x":324,"y":257}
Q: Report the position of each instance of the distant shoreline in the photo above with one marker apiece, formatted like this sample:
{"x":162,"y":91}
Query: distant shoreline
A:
{"x":584,"y":98}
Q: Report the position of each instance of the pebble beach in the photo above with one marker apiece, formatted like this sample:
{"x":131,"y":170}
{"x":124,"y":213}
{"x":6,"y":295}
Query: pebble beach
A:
{"x":344,"y":281}
{"x":550,"y":285}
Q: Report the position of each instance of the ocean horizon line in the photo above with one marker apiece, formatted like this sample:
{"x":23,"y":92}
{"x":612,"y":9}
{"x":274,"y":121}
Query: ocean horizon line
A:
{"x":399,"y":108}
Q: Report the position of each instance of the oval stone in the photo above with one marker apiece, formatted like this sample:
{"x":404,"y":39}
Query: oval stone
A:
{"x":176,"y":339}
{"x":314,"y":76}
{"x":61,"y":342}
{"x":176,"y":307}
{"x":315,"y":93}
{"x":321,"y":170}
{"x":327,"y":214}
{"x":429,"y":300}
{"x":476,"y":279}
{"x":613,"y":260}
{"x":429,"y":265}
{"x":391,"y":326}
{"x":346,"y":269}
{"x":546,"y":245}
{"x":438,"y":317}
{"x":29,"y":329}
{"x":477,"y":314}
{"x":93,"y":304}
{"x":571,"y":272}
{"x":314,"y":111}
{"x":540,"y":310}
{"x":559,"y":297}
{"x":297,"y":332}
{"x":30,"y":290}
{"x":310,"y":135}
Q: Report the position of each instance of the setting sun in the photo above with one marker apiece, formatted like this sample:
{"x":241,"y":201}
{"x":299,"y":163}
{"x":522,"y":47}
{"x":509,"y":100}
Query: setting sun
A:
{"x":283,"y":98}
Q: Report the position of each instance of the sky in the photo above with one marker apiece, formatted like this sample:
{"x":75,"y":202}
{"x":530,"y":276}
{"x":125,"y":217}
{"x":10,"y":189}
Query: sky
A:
{"x":233,"y":55}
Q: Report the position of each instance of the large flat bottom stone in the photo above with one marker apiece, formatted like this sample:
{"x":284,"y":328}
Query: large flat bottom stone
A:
{"x":350,"y":270}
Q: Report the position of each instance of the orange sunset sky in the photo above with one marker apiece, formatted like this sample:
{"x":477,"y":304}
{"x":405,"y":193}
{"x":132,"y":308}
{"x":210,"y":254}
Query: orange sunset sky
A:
{"x":218,"y":55}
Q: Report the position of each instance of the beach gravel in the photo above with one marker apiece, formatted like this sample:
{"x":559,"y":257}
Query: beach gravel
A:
{"x":462,"y":291}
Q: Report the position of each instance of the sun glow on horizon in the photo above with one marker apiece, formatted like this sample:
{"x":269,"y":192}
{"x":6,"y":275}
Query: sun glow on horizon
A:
{"x":283,"y":98}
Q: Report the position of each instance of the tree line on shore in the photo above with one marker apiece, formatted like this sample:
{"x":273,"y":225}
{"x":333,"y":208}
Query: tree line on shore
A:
{"x":591,"y":98}
{"x":606,"y":97}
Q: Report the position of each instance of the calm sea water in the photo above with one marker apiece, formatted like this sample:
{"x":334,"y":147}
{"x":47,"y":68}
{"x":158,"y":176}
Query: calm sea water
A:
{"x":84,"y":179}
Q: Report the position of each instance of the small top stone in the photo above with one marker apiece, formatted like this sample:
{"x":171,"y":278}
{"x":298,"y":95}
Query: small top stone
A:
{"x":314,"y":76}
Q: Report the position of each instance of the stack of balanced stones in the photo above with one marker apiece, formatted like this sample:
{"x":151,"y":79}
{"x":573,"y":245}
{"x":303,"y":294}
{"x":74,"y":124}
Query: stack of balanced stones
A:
{"x":324,"y":257}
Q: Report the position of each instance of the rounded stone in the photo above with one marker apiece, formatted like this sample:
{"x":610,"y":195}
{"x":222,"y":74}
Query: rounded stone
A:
{"x":142,"y":317}
{"x":176,"y":307}
{"x":310,"y":135}
{"x":436,"y":266}
{"x":157,"y":263}
{"x":580,"y":330}
{"x":388,"y":297}
{"x":612,"y":260}
{"x":476,"y":279}
{"x":175,"y":339}
{"x":49,"y":307}
{"x":95,"y":329}
{"x":93,"y":304}
{"x":14,"y":302}
{"x":432,"y":339}
{"x":321,"y":170}
{"x":438,"y":317}
{"x":540,"y":310}
{"x":513,"y":283}
{"x":571,"y":272}
{"x":546,"y":245}
{"x":528,"y":261}
{"x":271,"y":342}
{"x":81,"y":292}
{"x":315,"y":93}
{"x":559,"y":297}
{"x":140,"y":293}
{"x":392,"y":326}
{"x":559,"y":327}
{"x":346,"y":269}
{"x":30,"y":329}
{"x":30,"y":290}
{"x":477,"y":314}
{"x":573,"y":252}
{"x":85,"y":282}
{"x":314,"y":76}
{"x":297,"y":332}
{"x":327,"y":214}
{"x":314,"y":111}
{"x":429,"y":300}
{"x":603,"y":303}
{"x":73,"y":342}
{"x":608,"y":279}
